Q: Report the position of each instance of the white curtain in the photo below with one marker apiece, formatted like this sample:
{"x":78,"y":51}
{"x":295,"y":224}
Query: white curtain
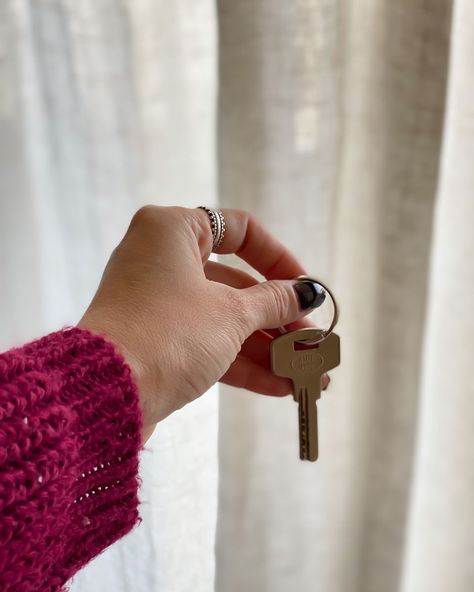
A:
{"x":348,"y":128}
{"x":104,"y":106}
{"x":333,"y":128}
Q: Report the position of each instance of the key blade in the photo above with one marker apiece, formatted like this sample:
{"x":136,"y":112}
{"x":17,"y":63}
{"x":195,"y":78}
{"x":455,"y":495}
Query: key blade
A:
{"x":311,"y":383}
{"x":308,"y":426}
{"x":298,"y":387}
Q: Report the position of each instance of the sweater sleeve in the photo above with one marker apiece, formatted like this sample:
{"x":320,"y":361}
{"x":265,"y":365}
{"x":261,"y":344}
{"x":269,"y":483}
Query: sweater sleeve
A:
{"x":70,"y":430}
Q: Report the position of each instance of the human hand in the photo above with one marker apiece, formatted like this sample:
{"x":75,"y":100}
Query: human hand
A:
{"x":182,"y":322}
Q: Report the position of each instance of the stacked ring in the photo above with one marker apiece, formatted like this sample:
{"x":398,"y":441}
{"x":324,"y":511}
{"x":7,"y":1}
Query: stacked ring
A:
{"x":216,"y":219}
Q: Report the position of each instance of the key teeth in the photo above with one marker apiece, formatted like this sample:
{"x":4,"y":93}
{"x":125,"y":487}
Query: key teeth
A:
{"x":303,"y":418}
{"x":307,"y":417}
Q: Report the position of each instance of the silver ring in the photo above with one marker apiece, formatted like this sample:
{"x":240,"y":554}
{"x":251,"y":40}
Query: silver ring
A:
{"x":216,"y":219}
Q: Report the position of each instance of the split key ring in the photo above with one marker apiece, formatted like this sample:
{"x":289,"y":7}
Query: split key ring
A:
{"x":335,"y":316}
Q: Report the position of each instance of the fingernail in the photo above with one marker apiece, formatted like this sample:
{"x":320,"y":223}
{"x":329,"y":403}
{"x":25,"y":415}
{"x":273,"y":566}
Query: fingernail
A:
{"x":310,"y":294}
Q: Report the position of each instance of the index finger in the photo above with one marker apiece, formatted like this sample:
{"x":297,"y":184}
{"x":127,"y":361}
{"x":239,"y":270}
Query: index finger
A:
{"x":251,"y":241}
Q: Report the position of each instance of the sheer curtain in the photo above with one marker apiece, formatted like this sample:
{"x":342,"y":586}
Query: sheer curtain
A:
{"x":334,"y":128}
{"x":105,"y":106}
{"x":348,"y":128}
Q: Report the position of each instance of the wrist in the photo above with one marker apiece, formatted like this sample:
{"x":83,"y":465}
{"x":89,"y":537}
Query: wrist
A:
{"x":139,"y":375}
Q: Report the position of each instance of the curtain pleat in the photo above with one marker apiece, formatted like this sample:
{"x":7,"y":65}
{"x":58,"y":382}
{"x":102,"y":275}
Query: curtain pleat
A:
{"x":331,"y":128}
{"x":106,"y":105}
{"x":440,"y":549}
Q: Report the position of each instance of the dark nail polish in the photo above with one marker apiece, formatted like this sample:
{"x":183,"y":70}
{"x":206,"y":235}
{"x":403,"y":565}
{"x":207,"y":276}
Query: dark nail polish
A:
{"x":310,"y":294}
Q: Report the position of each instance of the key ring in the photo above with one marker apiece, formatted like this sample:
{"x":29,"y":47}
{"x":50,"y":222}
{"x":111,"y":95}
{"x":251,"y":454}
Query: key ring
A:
{"x":335,"y":317}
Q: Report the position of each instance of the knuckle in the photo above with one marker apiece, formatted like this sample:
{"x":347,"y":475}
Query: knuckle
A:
{"x":154,"y":220}
{"x":236,"y":301}
{"x":147,"y":219}
{"x":251,"y":218}
{"x":276,"y":298}
{"x":199,"y":222}
{"x":244,"y":213}
{"x":238,"y":306}
{"x":146,"y":215}
{"x":247,"y":218}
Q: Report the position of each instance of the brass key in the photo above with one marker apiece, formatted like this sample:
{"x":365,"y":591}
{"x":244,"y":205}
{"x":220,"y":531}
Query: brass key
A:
{"x":305,"y":368}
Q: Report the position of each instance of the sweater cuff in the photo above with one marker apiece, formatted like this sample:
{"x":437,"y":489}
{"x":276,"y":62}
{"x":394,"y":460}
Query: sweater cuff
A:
{"x":73,"y":430}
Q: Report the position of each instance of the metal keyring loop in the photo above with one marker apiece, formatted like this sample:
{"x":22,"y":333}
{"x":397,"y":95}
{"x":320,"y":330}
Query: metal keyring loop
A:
{"x":335,"y":317}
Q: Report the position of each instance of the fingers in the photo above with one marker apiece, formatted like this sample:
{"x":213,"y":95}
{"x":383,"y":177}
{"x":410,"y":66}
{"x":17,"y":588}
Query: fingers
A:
{"x":246,"y":373}
{"x":246,"y":237}
{"x":257,"y":348}
{"x":298,"y":324}
{"x":268,"y":304}
{"x":275,"y":303}
{"x":231,"y":276}
{"x":236,"y":278}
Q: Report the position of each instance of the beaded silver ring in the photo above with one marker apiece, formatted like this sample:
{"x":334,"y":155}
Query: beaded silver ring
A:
{"x":216,"y":219}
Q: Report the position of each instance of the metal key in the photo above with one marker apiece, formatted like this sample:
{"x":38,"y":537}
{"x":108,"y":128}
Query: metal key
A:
{"x":305,"y":368}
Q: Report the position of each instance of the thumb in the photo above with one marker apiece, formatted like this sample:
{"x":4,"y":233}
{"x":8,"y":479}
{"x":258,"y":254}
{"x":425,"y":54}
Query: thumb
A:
{"x":279,"y":302}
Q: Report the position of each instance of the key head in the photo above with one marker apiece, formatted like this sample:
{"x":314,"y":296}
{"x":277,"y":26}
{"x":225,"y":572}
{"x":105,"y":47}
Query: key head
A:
{"x":299,"y":365}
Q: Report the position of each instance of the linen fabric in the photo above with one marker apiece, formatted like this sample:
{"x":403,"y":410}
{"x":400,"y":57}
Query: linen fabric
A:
{"x":348,"y":128}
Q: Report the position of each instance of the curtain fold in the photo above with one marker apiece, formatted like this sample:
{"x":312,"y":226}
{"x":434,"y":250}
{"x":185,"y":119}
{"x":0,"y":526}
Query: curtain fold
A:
{"x":106,"y":105}
{"x":331,"y":119}
{"x":441,"y":526}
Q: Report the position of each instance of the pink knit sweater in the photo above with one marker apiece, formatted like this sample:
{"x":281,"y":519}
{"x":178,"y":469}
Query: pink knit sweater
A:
{"x":69,"y":442}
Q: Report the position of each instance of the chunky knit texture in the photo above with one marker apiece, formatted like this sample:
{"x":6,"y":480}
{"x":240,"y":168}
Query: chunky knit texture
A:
{"x":69,"y":442}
